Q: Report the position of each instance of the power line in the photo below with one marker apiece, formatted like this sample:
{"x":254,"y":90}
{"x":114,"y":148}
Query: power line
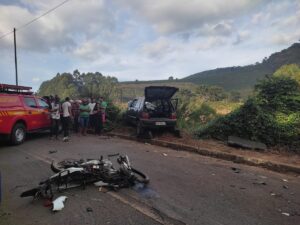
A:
{"x":35,"y":19}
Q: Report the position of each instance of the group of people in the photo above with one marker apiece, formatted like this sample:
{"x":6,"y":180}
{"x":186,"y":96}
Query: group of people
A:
{"x":81,"y":114}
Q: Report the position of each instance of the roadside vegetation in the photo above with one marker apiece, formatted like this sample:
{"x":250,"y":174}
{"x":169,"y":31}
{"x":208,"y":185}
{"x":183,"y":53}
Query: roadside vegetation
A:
{"x":271,"y":116}
{"x":270,"y":113}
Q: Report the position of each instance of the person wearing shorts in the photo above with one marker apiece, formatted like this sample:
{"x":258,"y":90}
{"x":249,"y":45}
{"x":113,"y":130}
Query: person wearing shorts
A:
{"x":84,"y":116}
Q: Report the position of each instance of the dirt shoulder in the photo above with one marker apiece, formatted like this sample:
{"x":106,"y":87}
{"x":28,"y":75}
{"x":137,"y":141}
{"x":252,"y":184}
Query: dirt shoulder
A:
{"x":271,"y":155}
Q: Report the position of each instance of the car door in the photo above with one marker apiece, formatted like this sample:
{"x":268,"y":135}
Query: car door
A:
{"x":45,"y":115}
{"x":33,"y":113}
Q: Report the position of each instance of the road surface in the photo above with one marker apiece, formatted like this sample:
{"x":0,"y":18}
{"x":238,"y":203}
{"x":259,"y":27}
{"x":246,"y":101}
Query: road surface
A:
{"x":185,"y":188}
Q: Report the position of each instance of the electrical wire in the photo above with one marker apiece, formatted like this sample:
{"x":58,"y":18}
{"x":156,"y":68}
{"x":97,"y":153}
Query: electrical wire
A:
{"x":35,"y":19}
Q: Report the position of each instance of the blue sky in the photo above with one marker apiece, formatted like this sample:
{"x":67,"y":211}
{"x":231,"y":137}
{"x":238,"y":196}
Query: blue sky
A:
{"x":149,"y":39}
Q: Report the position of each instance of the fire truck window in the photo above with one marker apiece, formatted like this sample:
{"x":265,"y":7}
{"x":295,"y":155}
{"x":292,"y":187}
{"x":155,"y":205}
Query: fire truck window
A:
{"x":43,"y":104}
{"x":30,"y":102}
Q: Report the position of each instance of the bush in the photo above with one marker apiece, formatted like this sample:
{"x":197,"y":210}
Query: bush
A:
{"x":272,"y":116}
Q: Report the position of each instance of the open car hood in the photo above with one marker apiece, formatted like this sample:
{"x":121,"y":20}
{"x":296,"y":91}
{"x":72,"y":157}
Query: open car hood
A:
{"x":159,"y":92}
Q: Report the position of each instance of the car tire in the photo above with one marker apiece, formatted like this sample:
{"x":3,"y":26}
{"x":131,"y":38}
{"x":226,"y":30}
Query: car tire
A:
{"x":18,"y":134}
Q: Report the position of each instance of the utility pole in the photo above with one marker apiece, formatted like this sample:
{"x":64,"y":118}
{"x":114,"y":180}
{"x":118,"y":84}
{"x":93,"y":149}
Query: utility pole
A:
{"x":16,"y":62}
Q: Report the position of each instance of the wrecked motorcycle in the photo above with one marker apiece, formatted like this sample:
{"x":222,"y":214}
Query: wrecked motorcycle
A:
{"x":78,"y":173}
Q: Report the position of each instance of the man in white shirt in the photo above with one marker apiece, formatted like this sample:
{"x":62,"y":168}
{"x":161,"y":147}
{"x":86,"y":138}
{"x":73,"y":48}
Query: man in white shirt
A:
{"x":66,"y":118}
{"x":55,"y":116}
{"x":92,"y":116}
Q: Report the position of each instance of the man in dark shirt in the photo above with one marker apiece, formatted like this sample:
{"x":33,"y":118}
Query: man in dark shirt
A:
{"x":75,"y":113}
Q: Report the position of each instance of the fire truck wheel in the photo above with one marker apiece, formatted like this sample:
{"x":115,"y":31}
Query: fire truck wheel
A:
{"x":18,"y":134}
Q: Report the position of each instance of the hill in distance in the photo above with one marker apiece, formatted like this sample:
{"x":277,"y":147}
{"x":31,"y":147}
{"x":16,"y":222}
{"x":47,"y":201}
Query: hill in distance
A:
{"x":238,"y":78}
{"x":245,"y":77}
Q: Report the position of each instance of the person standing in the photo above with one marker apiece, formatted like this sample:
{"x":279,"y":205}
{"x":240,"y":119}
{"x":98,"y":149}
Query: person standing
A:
{"x":55,"y":117}
{"x":98,"y":119}
{"x":76,"y":113}
{"x":103,"y":106}
{"x":92,"y":115}
{"x":66,"y":118}
{"x":84,"y":116}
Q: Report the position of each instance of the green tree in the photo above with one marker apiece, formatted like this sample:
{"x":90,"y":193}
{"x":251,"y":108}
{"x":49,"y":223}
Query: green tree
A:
{"x":291,"y":71}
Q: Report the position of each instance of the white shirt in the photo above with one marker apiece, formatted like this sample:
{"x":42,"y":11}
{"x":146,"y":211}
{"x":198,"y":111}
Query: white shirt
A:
{"x":65,"y":107}
{"x":55,"y":114}
{"x":92,"y":106}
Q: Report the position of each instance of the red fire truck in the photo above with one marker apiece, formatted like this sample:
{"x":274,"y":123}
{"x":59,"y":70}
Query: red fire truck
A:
{"x":21,"y":112}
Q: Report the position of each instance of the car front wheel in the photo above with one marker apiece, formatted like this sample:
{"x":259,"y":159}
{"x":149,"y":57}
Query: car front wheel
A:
{"x":18,"y":134}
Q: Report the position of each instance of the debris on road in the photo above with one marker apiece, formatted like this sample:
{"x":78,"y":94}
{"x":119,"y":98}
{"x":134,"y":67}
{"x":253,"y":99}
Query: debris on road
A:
{"x":89,"y":209}
{"x":52,"y":151}
{"x":101,"y":184}
{"x":286,"y":214}
{"x":285,"y":186}
{"x":78,"y":173}
{"x":165,"y":154}
{"x":260,"y":183}
{"x":285,"y":180}
{"x":236,"y":170}
{"x":58,"y":204}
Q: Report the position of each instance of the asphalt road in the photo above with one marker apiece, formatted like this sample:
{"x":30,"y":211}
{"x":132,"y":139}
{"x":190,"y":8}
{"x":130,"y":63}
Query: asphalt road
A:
{"x":185,"y":188}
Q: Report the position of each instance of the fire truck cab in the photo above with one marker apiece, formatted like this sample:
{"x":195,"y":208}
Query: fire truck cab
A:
{"x":21,"y":112}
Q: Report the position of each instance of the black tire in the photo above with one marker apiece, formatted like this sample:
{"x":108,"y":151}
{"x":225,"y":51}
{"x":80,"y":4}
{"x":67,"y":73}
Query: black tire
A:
{"x":18,"y":134}
{"x":140,"y":177}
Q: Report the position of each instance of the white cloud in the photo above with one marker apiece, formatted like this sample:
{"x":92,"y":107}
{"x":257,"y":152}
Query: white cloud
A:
{"x":36,"y":79}
{"x":92,"y":50}
{"x":60,"y":29}
{"x":158,"y":48}
{"x":241,"y":37}
{"x":177,"y":16}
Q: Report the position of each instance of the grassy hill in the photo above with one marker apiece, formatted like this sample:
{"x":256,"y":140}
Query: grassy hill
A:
{"x":245,"y":77}
{"x":130,"y":90}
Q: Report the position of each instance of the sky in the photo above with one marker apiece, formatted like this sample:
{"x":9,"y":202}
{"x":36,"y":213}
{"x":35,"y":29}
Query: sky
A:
{"x":141,"y":39}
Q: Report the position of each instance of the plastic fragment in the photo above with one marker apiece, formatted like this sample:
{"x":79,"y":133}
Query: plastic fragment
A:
{"x":58,"y":204}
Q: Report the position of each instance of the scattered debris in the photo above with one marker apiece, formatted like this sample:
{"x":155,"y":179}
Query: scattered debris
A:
{"x":236,"y":170}
{"x":213,"y":174}
{"x":243,"y":143}
{"x":260,"y":182}
{"x":285,"y":180}
{"x":286,"y":214}
{"x":272,"y":194}
{"x":263,"y":177}
{"x":58,"y":204}
{"x":165,"y":154}
{"x":89,"y":209}
{"x":242,"y":188}
{"x":285,"y":186}
{"x":103,"y":189}
{"x":52,"y":151}
{"x":101,"y":184}
{"x":146,"y":143}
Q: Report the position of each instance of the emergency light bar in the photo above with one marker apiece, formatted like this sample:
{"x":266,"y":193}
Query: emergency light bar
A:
{"x":14,"y":89}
